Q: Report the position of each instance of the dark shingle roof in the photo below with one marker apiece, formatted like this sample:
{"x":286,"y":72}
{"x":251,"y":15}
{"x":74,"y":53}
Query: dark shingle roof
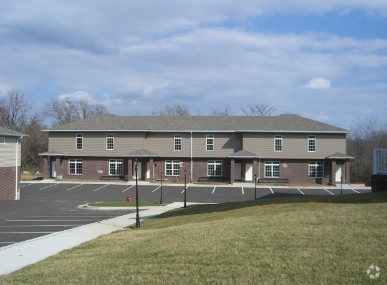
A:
{"x":284,"y":123}
{"x":10,"y":133}
{"x":243,"y":154}
{"x":142,"y":153}
{"x":339,"y":155}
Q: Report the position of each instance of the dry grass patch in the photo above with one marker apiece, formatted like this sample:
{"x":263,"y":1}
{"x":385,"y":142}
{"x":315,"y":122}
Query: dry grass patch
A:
{"x":300,"y":240}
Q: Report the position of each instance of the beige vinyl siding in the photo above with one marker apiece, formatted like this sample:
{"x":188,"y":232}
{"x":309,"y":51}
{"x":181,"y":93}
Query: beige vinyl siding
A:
{"x":163,"y":144}
{"x":224,"y":144}
{"x":294,"y":145}
{"x":8,"y":152}
{"x":94,"y":143}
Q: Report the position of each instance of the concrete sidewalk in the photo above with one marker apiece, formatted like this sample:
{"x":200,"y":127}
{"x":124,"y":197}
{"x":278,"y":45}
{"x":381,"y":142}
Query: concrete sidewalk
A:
{"x":19,"y":255}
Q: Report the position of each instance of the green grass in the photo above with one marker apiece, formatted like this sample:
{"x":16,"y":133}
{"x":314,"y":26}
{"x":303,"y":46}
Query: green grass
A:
{"x":297,"y":240}
{"x":126,"y":204}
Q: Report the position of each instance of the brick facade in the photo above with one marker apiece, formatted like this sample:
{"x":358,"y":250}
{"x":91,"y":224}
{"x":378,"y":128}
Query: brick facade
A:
{"x":7,"y":185}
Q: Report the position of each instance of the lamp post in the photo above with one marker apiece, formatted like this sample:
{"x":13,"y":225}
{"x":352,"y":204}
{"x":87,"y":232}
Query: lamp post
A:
{"x":341,"y":188}
{"x":185,"y":188}
{"x":161,"y":188}
{"x":137,"y":215}
{"x":255,"y":186}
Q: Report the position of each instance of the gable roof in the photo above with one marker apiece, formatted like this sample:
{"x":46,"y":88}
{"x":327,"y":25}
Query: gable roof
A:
{"x":10,"y":133}
{"x":281,"y":123}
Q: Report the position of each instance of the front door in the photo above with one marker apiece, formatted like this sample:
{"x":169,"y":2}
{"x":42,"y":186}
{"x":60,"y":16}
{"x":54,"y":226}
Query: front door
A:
{"x":339,"y":172}
{"x":138,"y":171}
{"x":237,"y":171}
{"x":249,"y":172}
{"x":53,"y":169}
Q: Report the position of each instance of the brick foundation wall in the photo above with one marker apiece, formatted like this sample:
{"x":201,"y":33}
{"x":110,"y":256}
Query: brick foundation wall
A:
{"x":7,"y":182}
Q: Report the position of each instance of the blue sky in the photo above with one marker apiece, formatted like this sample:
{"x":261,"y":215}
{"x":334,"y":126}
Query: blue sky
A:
{"x":326,"y":60}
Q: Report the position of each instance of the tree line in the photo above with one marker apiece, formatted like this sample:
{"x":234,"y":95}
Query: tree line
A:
{"x":15,"y":114}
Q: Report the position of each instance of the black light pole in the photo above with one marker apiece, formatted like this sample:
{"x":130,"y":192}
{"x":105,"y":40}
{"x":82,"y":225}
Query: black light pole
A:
{"x":137,"y":215}
{"x":341,"y":182}
{"x":161,"y":188}
{"x":185,"y":188}
{"x":255,"y":186}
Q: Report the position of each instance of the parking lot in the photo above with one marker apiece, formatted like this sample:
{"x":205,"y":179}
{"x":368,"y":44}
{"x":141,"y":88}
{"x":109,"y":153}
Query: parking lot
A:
{"x":49,"y":207}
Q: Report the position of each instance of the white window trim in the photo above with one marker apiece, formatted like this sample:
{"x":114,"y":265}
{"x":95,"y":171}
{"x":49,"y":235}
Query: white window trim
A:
{"x":277,"y":137}
{"x":109,"y":136}
{"x":312,"y":138}
{"x":116,"y":162}
{"x":76,"y":141}
{"x":271,"y":164}
{"x":215,"y":163}
{"x":174,"y":163}
{"x":177,"y":136}
{"x":213,"y":142}
{"x":315,"y":164}
{"x":76,"y":161}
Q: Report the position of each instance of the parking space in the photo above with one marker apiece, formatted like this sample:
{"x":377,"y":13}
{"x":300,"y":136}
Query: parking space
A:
{"x":46,"y":208}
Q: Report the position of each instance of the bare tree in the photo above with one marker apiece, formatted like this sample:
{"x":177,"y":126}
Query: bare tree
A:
{"x":177,"y":109}
{"x":222,"y":112}
{"x":69,"y":110}
{"x":13,"y":109}
{"x":258,"y":110}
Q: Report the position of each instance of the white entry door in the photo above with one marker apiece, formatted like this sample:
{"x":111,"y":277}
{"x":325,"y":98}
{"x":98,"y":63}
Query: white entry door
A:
{"x":249,"y":172}
{"x":147,"y":170}
{"x":138,"y":171}
{"x":53,"y":169}
{"x":237,"y":171}
{"x":339,"y":172}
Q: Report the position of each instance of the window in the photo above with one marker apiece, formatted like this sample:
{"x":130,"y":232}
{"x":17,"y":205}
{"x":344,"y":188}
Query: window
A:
{"x":277,"y":143}
{"x":214,"y":168}
{"x":75,"y":166}
{"x":210,"y":142}
{"x":177,"y":142}
{"x":116,"y":167}
{"x":316,"y":169}
{"x":79,"y":142}
{"x":272,"y":169}
{"x":172,"y":167}
{"x":109,"y":141}
{"x":312,"y":143}
{"x":2,"y":140}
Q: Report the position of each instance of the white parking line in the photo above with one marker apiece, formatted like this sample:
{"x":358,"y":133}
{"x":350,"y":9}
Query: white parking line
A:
{"x":243,"y":192}
{"x":47,"y":186}
{"x":271,"y":191}
{"x":355,"y":191}
{"x":156,"y":189}
{"x":184,"y":189}
{"x":74,"y":187}
{"x":25,"y":185}
{"x":213,"y":190}
{"x":301,"y":191}
{"x":127,"y":188}
{"x":101,"y":187}
{"x":329,"y":191}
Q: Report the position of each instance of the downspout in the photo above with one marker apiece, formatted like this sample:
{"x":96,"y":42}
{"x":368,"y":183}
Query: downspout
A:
{"x":16,"y":169}
{"x":259,"y":168}
{"x":191,"y":160}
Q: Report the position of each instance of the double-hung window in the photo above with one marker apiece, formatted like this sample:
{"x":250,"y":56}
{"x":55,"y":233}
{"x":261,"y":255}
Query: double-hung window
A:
{"x":272,"y":169}
{"x":172,"y":167}
{"x":109,"y":142}
{"x":277,"y":143}
{"x":116,"y":167}
{"x":316,"y":169}
{"x":210,"y":142}
{"x":75,"y":166}
{"x":2,"y":140}
{"x":214,"y":168}
{"x":79,"y":141}
{"x":311,"y":143}
{"x":177,"y":142}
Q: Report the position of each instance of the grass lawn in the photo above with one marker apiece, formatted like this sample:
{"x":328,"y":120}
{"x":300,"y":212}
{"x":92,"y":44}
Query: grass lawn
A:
{"x":126,"y":204}
{"x":297,"y":240}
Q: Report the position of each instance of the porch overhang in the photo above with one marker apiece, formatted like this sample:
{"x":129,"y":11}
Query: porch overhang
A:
{"x":243,"y":154}
{"x":52,"y":153}
{"x":339,"y":155}
{"x":142,"y":153}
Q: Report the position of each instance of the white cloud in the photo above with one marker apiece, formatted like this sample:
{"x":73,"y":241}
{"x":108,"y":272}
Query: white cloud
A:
{"x":78,"y":96}
{"x":319,"y":83}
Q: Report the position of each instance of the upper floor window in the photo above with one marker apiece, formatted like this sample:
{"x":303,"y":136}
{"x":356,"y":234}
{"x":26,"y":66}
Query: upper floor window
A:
{"x":210,"y":142}
{"x":277,"y":143}
{"x":311,"y":143}
{"x":316,"y":169}
{"x":79,"y":141}
{"x":177,"y":142}
{"x":2,"y":140}
{"x":109,"y":141}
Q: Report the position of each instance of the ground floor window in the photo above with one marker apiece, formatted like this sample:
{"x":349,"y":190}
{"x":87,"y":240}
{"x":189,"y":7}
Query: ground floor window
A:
{"x":172,"y":167}
{"x":214,"y":168}
{"x":272,"y":169}
{"x":75,"y":166}
{"x":316,"y":169}
{"x":116,"y":167}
